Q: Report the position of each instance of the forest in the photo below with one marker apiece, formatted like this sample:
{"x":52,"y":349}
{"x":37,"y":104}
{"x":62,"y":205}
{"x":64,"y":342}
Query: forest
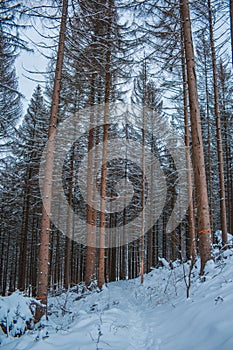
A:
{"x":121,"y":165}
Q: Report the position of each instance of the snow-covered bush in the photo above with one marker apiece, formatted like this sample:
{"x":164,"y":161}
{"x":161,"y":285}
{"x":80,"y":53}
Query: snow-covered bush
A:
{"x":218,"y":238}
{"x":15,"y":315}
{"x":219,"y":252}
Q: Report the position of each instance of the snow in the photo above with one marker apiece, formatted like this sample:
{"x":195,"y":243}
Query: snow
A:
{"x":15,"y":314}
{"x":129,"y":316}
{"x":218,"y":236}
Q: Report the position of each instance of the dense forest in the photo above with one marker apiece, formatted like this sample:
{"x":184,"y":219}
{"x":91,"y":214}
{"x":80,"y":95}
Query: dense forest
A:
{"x":124,"y":156}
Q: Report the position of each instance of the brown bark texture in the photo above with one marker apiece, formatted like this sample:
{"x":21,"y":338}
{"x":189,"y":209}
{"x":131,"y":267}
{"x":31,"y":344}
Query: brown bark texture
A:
{"x":218,"y":132}
{"x":231,"y":23}
{"x":191,"y":217}
{"x":42,"y":289}
{"x":204,"y":229}
{"x":107,"y":92}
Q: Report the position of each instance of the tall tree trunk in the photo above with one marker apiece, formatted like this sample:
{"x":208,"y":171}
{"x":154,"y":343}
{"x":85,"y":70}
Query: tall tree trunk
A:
{"x":69,"y":222}
{"x":142,"y":263}
{"x":101,"y":266}
{"x":24,"y":236}
{"x":204,"y":229}
{"x":227,"y":126}
{"x":123,"y":269}
{"x":42,"y":289}
{"x":231,"y":23}
{"x":6,"y":267}
{"x":191,"y":218}
{"x":210,"y":171}
{"x":218,"y":132}
{"x":91,"y":222}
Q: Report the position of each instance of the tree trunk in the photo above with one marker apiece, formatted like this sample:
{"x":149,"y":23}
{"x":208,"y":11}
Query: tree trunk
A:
{"x":210,"y":168}
{"x":91,"y":216}
{"x":218,"y":132}
{"x":42,"y":289}
{"x":231,"y":23}
{"x":191,"y":218}
{"x":204,"y":229}
{"x":142,"y":263}
{"x":101,"y":267}
{"x":69,"y":221}
{"x":24,"y":236}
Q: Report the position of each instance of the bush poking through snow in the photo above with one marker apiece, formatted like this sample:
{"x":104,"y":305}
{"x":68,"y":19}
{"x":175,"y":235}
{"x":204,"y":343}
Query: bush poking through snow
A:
{"x":218,"y":238}
{"x":15,"y":315}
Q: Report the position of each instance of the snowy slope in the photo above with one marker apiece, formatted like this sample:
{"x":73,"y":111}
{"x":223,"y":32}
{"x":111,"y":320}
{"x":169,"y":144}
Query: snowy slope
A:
{"x":153,"y":316}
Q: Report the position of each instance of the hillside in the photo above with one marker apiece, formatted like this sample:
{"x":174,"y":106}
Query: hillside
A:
{"x":128,"y":315}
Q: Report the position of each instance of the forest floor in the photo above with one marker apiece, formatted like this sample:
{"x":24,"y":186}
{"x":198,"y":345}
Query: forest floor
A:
{"x":129,"y":316}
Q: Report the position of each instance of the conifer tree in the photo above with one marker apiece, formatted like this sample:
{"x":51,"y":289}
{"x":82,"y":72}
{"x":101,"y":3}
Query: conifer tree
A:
{"x":43,"y":273}
{"x":31,"y":139}
{"x":10,"y":105}
{"x":204,"y":229}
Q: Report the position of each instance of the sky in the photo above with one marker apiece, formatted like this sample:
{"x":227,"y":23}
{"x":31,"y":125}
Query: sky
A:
{"x":31,"y":64}
{"x":28,"y":61}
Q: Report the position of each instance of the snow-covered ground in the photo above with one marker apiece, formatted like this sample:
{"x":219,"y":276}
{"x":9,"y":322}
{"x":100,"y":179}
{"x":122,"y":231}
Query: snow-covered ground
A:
{"x":129,"y":316}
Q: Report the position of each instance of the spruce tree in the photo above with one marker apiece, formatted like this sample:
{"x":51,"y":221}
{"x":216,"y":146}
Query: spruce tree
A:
{"x":31,"y":139}
{"x":10,"y":106}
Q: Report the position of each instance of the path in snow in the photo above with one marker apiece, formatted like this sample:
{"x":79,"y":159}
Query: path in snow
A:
{"x":154,"y":316}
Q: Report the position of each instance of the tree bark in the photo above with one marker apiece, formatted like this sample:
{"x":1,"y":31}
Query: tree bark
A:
{"x":204,"y":229}
{"x":142,"y":263}
{"x":91,"y":216}
{"x":69,"y":221}
{"x":42,"y":289}
{"x":191,"y":217}
{"x":101,"y":266}
{"x":210,"y":161}
{"x":218,"y":132}
{"x":231,"y":24}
